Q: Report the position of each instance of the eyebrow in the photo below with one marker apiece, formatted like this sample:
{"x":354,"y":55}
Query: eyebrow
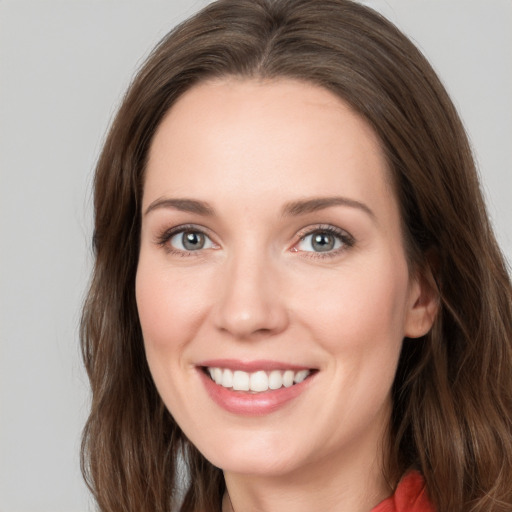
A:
{"x":314,"y":204}
{"x":184,"y":205}
{"x":293,"y":208}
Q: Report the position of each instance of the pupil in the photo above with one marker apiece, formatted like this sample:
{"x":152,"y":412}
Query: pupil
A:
{"x":323,"y":242}
{"x":192,"y":241}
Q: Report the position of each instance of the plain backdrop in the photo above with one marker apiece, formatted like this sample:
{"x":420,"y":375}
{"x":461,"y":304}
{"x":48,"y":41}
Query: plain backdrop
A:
{"x":64,"y":66}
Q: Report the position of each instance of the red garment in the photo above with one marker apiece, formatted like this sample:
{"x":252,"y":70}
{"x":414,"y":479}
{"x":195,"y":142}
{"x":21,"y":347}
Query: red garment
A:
{"x":410,"y":496}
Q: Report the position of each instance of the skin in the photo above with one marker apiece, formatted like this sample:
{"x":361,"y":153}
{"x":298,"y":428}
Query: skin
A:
{"x":258,"y":290}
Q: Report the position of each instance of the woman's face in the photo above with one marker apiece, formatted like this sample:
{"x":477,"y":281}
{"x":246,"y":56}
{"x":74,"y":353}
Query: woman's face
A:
{"x":271,"y":252}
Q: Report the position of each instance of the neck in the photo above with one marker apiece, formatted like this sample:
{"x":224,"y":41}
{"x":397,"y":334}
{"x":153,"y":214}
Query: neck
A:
{"x":330,"y":486}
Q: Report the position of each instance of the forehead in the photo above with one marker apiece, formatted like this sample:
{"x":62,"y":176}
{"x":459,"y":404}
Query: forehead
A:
{"x":279,"y":138}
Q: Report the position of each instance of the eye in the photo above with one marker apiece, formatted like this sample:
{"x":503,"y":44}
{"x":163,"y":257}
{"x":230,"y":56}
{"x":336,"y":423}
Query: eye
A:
{"x":324,"y":240}
{"x":190,"y":240}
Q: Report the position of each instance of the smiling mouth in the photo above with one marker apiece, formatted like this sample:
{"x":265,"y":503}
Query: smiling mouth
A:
{"x":259,"y":381}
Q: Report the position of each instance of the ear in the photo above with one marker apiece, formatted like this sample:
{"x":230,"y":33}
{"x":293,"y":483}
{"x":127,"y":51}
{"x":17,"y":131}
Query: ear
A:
{"x":423,"y":304}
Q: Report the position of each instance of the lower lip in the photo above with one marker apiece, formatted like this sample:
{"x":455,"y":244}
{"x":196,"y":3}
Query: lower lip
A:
{"x":251,"y":404}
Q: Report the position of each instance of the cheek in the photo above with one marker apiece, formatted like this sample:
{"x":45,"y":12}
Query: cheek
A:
{"x":169,"y":305}
{"x":169,"y":318}
{"x":358,"y":308}
{"x":160,"y":321}
{"x":357,"y":317}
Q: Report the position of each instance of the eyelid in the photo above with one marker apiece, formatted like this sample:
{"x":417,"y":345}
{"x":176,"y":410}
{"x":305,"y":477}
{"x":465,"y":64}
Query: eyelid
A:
{"x":347,"y":240}
{"x":162,"y":238}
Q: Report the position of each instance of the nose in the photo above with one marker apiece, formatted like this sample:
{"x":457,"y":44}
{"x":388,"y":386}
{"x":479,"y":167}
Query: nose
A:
{"x":251,"y":303}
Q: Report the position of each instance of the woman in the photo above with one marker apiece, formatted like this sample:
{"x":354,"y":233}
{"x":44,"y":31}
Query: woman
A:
{"x":297,"y":299}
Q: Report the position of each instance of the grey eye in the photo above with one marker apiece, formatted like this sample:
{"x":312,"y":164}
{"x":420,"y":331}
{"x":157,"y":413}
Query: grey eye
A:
{"x":190,"y":241}
{"x":320,"y":241}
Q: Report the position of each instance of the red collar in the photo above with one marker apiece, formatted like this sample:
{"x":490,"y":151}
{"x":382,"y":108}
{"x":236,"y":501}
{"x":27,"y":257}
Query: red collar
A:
{"x":410,"y":496}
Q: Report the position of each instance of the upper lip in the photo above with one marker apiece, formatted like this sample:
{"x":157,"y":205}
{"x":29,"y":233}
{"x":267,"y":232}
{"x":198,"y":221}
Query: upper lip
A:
{"x":251,"y":366}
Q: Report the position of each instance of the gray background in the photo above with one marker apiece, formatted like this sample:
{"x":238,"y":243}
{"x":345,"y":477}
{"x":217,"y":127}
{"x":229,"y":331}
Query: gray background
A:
{"x":63,"y":68}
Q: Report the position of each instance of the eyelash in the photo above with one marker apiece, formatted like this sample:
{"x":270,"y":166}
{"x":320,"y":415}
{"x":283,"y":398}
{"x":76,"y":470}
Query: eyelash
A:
{"x":343,"y":236}
{"x":163,"y":239}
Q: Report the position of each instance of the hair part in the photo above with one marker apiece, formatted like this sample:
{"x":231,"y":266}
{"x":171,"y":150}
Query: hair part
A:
{"x":452,"y":396}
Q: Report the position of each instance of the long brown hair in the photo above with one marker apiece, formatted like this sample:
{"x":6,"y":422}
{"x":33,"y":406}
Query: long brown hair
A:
{"x":452,"y":396}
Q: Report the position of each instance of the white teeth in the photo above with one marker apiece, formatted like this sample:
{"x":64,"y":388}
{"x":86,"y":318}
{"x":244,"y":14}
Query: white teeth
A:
{"x":300,"y":376}
{"x":227,"y":378}
{"x":288,"y":378}
{"x":275,"y":380}
{"x":257,"y":382}
{"x":240,"y":381}
{"x":217,"y":375}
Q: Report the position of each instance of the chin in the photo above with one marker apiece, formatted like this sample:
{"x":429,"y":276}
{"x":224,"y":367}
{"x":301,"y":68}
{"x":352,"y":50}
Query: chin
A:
{"x":266,"y":457}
